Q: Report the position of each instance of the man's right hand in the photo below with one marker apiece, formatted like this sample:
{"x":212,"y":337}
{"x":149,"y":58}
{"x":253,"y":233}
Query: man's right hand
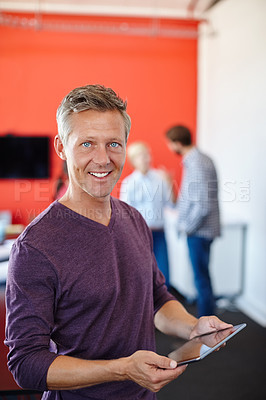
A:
{"x":151,"y":370}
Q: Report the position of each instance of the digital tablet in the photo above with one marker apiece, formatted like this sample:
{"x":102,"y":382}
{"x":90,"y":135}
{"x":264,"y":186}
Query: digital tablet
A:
{"x":200,"y":346}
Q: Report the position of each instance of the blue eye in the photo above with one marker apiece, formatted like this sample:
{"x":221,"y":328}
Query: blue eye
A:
{"x":86,"y":144}
{"x":114,"y":145}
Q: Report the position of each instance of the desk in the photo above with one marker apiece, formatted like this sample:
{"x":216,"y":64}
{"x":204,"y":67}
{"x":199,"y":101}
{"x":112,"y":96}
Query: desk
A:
{"x":11,"y":233}
{"x":4,"y":256}
{"x":5,"y":250}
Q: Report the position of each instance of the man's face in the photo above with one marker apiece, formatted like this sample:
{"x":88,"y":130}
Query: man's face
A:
{"x":142,"y":160}
{"x":175,"y":147}
{"x":95,"y":152}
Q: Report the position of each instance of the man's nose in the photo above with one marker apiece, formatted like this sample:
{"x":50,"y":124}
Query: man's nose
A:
{"x":101,"y":155}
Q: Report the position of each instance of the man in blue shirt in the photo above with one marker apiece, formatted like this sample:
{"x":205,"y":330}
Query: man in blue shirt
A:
{"x":198,"y":211}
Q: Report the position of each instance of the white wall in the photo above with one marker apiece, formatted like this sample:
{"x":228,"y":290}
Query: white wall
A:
{"x":232,"y":128}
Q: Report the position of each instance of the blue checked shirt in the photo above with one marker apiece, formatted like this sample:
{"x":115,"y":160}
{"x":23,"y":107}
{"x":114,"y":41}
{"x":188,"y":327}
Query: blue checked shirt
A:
{"x":198,"y":207}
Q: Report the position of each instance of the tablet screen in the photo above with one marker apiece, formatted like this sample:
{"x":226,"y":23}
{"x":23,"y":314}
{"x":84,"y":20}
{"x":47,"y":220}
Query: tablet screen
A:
{"x":199,"y":347}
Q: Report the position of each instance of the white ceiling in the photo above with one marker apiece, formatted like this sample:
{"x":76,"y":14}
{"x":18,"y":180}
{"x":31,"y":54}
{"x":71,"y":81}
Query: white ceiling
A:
{"x":160,"y":8}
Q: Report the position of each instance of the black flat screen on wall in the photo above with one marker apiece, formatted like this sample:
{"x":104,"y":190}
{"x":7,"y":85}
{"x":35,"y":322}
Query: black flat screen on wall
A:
{"x":24,"y":157}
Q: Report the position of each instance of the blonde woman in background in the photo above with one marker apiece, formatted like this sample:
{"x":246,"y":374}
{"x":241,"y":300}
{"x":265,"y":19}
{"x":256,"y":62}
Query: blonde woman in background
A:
{"x":149,"y":191}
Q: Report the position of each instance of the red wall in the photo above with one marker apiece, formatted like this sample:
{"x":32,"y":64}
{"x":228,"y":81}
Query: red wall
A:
{"x":157,"y":75}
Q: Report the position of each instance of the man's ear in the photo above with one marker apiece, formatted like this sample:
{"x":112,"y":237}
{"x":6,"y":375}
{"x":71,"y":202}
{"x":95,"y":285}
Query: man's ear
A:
{"x":59,"y":147}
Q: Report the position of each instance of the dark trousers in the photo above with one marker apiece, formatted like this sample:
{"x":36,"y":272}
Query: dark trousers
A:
{"x":160,"y":252}
{"x":199,"y":253}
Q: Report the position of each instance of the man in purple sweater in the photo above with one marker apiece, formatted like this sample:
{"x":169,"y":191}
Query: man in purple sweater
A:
{"x":84,"y":292}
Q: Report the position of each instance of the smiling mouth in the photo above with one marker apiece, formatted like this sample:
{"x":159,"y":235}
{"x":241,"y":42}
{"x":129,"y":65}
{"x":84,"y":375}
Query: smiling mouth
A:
{"x":100,"y":174}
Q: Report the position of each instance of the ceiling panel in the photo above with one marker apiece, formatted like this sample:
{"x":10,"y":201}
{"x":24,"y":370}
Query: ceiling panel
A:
{"x":162,"y":8}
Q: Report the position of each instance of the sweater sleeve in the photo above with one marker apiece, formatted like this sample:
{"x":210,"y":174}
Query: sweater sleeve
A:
{"x":160,"y":292}
{"x":30,"y":304}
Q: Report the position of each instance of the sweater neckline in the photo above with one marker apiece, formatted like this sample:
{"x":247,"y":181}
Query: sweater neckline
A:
{"x":86,"y":220}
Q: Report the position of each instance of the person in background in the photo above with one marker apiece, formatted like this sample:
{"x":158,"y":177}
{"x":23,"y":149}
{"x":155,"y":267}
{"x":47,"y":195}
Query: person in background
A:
{"x":149,"y":191}
{"x":84,"y":293}
{"x":198,"y":211}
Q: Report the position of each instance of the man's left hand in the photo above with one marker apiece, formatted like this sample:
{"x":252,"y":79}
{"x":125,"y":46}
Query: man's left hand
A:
{"x":208,"y":324}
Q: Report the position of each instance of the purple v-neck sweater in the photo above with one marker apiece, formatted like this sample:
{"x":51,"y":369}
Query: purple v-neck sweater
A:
{"x":91,"y":289}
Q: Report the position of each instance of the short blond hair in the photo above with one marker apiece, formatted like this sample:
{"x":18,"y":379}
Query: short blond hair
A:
{"x":89,"y":97}
{"x":135,"y":148}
